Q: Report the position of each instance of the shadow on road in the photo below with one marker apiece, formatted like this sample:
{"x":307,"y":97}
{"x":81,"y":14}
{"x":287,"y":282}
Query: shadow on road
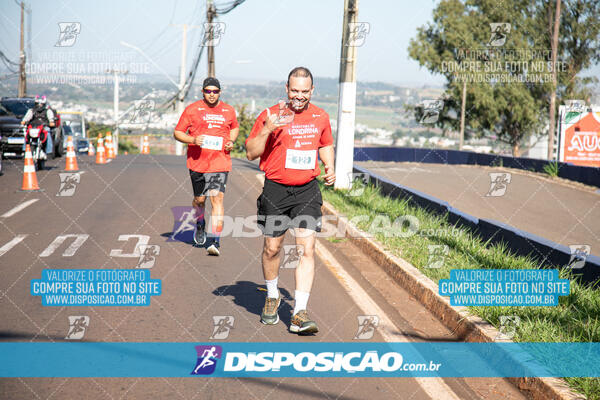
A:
{"x":184,"y":237}
{"x":13,"y":336}
{"x":251,"y":296}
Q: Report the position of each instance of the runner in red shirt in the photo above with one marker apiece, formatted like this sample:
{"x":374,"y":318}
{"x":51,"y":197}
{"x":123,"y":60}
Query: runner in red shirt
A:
{"x":209,"y":127}
{"x":290,"y":138}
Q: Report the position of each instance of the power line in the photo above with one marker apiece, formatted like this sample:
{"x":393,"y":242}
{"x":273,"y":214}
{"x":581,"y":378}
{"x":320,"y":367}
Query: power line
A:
{"x":220,"y":10}
{"x":8,"y":63}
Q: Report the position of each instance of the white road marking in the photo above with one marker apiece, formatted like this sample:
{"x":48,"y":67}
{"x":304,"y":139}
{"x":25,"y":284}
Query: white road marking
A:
{"x":142,"y":240}
{"x":16,"y":240}
{"x":80,"y":238}
{"x":18,"y":208}
{"x":435,"y":388}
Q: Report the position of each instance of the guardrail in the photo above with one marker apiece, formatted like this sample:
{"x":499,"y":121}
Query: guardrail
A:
{"x":519,"y":242}
{"x":586,"y":175}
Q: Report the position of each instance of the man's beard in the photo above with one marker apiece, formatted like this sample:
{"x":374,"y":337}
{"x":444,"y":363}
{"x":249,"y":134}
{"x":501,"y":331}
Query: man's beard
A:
{"x":211,"y":103}
{"x":299,"y":105}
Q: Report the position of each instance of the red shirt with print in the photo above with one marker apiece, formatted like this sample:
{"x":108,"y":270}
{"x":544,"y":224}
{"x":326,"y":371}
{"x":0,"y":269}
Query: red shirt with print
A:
{"x":291,"y":152}
{"x":215,"y":123}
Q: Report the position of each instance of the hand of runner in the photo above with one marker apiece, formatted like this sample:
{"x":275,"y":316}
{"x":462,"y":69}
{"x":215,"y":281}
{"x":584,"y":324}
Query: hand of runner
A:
{"x":329,"y":176}
{"x":229,"y":145}
{"x":271,"y":123}
{"x":198,"y":140}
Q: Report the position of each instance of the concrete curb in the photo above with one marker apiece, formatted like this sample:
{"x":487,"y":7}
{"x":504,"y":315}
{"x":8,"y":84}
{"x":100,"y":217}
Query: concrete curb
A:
{"x":468,"y":327}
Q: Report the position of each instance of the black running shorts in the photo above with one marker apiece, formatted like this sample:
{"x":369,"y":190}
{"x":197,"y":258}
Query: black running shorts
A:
{"x":205,"y":184}
{"x":281,"y":207}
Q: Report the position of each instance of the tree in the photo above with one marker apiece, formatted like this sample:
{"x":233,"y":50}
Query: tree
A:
{"x":459,"y":41}
{"x":246,"y":121}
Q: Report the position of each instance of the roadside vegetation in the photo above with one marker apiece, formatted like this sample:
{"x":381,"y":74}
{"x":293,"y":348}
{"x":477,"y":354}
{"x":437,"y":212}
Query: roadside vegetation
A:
{"x":575,"y":319}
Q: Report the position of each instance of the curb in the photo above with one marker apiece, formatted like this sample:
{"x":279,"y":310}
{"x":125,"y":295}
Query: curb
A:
{"x":468,"y":327}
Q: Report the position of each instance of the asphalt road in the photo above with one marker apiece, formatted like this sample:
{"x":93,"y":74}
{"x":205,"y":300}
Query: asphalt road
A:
{"x":135,"y":195}
{"x":564,"y":213}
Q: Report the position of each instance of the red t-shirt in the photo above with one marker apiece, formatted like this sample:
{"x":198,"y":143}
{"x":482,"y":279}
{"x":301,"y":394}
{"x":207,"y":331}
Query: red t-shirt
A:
{"x":291,"y":152}
{"x":214,"y":122}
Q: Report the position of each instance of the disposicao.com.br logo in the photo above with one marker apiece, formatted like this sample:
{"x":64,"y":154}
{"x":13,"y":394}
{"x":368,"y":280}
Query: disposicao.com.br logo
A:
{"x":364,"y":362}
{"x":370,"y":361}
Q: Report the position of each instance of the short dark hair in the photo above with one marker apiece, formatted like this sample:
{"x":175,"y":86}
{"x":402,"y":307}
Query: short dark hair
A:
{"x":300,"y":72}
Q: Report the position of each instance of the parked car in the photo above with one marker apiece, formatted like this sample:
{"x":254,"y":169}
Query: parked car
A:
{"x":80,"y":144}
{"x":73,"y":124}
{"x":12,"y":111}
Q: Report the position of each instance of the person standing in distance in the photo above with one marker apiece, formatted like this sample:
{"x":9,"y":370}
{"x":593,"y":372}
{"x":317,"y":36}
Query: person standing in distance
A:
{"x":291,"y":198}
{"x":209,"y":127}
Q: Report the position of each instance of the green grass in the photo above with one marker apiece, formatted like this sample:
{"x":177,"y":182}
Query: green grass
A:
{"x":575,"y":319}
{"x":551,"y":169}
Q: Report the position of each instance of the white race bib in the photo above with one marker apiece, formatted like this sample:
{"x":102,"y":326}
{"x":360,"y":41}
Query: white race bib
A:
{"x":300,"y":159}
{"x":212,"y":142}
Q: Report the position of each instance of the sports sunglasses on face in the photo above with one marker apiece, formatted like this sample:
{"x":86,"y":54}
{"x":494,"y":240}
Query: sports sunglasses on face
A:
{"x":209,"y":91}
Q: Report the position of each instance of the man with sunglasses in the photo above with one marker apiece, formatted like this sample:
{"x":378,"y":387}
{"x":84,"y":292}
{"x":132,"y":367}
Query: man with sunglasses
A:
{"x":209,"y":127}
{"x":290,"y":138}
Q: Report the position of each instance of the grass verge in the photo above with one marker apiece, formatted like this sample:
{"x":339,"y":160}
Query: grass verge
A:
{"x":575,"y":319}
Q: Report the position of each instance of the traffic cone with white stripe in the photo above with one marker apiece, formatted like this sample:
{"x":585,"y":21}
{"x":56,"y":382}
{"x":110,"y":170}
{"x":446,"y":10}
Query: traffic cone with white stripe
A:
{"x":110,"y":149}
{"x":91,"y":150}
{"x":146,"y":145}
{"x":71,"y":159}
{"x":100,"y":156}
{"x":29,"y":177}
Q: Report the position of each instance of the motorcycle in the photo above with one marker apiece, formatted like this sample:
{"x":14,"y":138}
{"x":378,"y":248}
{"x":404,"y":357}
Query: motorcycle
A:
{"x":36,"y":138}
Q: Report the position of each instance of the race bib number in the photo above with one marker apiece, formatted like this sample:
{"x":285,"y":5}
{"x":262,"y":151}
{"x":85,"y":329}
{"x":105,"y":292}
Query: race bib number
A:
{"x":300,"y":159}
{"x":212,"y":142}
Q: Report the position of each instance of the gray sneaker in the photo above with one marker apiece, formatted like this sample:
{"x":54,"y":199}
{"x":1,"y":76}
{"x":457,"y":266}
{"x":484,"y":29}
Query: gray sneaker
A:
{"x":269,"y":314}
{"x":301,"y":324}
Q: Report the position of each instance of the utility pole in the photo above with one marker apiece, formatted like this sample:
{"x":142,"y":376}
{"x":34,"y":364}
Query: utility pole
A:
{"x":552,"y":122}
{"x":29,"y":51}
{"x":462,"y":114}
{"x":344,"y":151}
{"x":180,"y":99}
{"x":22,"y":77}
{"x":210,"y":14}
{"x":116,"y":74}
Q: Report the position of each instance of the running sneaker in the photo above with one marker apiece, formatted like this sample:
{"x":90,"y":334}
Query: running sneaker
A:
{"x":301,"y":324}
{"x":269,"y":314}
{"x":213,"y":249}
{"x":199,"y":234}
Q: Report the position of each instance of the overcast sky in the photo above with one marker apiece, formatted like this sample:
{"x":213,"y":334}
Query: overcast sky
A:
{"x":263,"y":39}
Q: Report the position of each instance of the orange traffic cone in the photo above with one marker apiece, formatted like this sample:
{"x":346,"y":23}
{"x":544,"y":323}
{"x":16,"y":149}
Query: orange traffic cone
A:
{"x":71,"y":159}
{"x":91,"y":150}
{"x":110,"y":149}
{"x":146,"y":145}
{"x":100,"y":156}
{"x":29,"y":177}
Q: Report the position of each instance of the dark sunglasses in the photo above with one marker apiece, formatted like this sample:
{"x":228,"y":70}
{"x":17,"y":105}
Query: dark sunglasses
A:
{"x":209,"y":91}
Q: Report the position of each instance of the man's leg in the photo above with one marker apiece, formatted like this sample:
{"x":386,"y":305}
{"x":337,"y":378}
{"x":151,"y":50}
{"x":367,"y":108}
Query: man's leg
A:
{"x":270,"y":256}
{"x":199,"y":233}
{"x":216,"y":220}
{"x":270,"y":265}
{"x":305,"y":273}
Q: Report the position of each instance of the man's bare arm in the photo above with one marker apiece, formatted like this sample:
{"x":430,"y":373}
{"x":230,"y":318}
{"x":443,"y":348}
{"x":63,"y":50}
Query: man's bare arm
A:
{"x":326,"y":155}
{"x":256,"y":146}
{"x":188,"y":139}
{"x":233,"y":134}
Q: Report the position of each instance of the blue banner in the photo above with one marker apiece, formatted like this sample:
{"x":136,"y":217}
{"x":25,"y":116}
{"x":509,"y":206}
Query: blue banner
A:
{"x":504,"y":287}
{"x":282,"y":359}
{"x":95,"y":287}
